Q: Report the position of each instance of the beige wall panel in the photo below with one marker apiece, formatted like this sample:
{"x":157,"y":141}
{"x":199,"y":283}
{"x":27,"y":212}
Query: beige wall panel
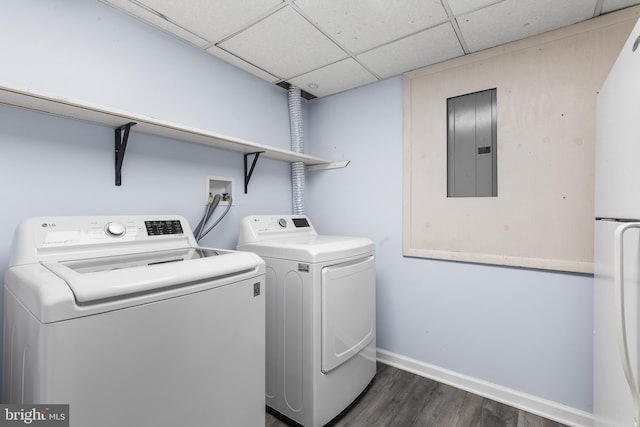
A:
{"x":546,"y":96}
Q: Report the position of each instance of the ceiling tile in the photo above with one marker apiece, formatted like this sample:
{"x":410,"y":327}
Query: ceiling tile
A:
{"x":334,"y":78}
{"x":611,"y":5}
{"x":425,"y":48}
{"x":361,"y":40}
{"x":156,"y":20}
{"x":359,"y":25}
{"x":517,"y":19}
{"x":284,"y":44}
{"x":463,"y":6}
{"x":212,"y":19}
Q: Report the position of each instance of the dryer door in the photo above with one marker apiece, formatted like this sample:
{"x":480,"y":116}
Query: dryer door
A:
{"x":348,"y":310}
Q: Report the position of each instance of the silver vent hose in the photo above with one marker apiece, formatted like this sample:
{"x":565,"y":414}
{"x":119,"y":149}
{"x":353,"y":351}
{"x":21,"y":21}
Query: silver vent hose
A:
{"x":297,"y":145}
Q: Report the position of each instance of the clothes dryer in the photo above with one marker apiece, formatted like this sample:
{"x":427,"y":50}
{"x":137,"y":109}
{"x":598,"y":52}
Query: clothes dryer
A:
{"x":132,"y":324}
{"x":320,"y":316}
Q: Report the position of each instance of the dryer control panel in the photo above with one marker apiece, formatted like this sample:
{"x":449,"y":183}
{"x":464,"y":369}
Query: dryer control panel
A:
{"x":270,"y":227}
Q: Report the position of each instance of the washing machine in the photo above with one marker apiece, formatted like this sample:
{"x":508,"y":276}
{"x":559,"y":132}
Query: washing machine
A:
{"x":320,"y":316}
{"x":130,"y":323}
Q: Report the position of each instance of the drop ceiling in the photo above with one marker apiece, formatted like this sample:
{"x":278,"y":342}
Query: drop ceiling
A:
{"x":330,"y":46}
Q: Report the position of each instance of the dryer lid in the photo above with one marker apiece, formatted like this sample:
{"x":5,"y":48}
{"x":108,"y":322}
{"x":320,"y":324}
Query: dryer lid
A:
{"x":102,"y":278}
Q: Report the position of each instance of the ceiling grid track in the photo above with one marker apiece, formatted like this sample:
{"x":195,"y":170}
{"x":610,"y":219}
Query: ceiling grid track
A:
{"x":456,"y":28}
{"x":246,"y":26}
{"x":167,"y":19}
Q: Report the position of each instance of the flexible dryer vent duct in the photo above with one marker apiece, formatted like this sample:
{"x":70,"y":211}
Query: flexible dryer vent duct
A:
{"x":297,"y":146}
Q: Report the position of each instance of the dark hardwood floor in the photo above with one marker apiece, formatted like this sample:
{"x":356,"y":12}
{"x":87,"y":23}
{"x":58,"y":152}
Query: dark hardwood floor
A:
{"x":400,"y":399}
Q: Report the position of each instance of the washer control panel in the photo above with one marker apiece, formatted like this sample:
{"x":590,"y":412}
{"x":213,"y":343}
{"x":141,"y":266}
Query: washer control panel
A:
{"x":164,"y":227}
{"x":71,"y":231}
{"x":115,"y":229}
{"x":60,"y":237}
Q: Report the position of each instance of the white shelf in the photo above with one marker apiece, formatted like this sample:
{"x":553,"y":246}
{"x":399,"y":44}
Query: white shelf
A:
{"x":45,"y":103}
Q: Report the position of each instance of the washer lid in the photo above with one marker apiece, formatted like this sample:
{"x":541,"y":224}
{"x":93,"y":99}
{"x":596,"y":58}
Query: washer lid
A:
{"x":97,"y":279}
{"x":311,"y":249}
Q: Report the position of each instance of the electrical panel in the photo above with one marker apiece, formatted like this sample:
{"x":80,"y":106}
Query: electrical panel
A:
{"x":471,"y":145}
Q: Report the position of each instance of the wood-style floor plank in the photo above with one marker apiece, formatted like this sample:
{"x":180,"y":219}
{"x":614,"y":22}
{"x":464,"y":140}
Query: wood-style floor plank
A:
{"x":498,"y":415}
{"x":401,"y":399}
{"x":526,"y":419}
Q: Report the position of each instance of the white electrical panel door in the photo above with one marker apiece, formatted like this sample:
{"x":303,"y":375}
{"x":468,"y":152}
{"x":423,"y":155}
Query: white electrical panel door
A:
{"x":618,"y":135}
{"x":348,"y":310}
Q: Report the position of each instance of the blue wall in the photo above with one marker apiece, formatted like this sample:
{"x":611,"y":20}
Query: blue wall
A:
{"x":86,"y":50}
{"x":523,"y":329}
{"x":89,"y":51}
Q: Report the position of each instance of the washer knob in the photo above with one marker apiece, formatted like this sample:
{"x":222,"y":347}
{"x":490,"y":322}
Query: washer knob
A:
{"x":282,"y":222}
{"x":115,"y":229}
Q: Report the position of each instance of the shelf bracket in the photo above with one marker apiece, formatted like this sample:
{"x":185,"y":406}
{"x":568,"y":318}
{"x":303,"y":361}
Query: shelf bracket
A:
{"x":326,"y":166}
{"x":247,"y":174}
{"x":121,"y":147}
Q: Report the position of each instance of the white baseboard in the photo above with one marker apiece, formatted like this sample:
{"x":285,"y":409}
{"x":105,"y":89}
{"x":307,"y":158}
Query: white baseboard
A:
{"x":529,"y":403}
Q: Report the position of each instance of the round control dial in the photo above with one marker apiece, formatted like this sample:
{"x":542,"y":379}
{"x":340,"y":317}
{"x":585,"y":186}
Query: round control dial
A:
{"x":282,"y":222}
{"x":115,"y":229}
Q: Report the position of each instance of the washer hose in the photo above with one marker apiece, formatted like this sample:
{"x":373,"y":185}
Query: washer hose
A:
{"x":208,"y":211}
{"x":219,"y":219}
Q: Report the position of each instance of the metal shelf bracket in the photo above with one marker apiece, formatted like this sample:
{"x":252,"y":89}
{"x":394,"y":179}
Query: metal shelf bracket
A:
{"x":247,"y":174}
{"x":120,"y":148}
{"x":327,"y":166}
